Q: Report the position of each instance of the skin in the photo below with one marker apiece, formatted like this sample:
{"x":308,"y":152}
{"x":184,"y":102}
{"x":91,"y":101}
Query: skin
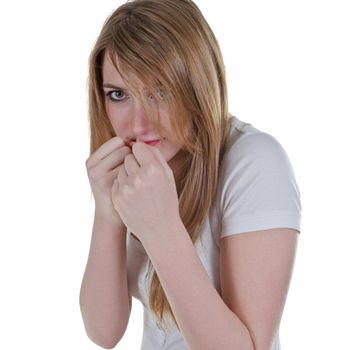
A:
{"x":145,"y":183}
{"x":128,"y":117}
{"x":255,"y":268}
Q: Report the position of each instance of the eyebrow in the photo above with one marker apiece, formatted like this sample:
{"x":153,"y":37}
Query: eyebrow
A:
{"x":108,"y":85}
{"x":111,"y":86}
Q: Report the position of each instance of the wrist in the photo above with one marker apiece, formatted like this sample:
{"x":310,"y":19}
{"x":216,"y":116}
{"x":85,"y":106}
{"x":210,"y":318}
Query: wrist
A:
{"x":108,"y":222}
{"x":164,"y":234}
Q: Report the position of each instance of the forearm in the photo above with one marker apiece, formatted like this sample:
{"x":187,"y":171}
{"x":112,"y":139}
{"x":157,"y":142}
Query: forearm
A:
{"x":104,"y":299}
{"x":204,"y":319}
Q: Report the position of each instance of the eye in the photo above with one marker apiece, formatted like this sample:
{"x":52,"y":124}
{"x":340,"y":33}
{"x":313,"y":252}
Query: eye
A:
{"x":116,"y":95}
{"x":161,"y":93}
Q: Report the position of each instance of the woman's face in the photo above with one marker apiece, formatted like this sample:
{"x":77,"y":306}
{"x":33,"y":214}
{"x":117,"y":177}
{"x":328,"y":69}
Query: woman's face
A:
{"x":127,"y":114}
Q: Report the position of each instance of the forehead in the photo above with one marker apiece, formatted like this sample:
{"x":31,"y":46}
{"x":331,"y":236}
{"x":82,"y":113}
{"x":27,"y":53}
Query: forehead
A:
{"x":111,"y":75}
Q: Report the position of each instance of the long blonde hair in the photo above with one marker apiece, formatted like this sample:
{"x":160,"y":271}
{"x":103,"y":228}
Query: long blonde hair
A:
{"x":170,"y":48}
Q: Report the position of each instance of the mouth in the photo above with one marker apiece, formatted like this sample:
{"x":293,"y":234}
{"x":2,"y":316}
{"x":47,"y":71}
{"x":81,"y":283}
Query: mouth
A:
{"x":150,"y":142}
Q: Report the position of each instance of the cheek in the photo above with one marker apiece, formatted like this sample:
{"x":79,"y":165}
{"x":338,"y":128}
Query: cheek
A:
{"x":110,"y":114}
{"x":115,"y":117}
{"x":107,"y":107}
{"x":166,"y":125}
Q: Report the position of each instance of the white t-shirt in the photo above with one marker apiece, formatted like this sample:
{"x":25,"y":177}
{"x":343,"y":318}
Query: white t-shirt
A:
{"x":257,"y":190}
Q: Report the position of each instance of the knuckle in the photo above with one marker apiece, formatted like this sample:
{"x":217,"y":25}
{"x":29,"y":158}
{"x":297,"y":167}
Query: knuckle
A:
{"x":129,"y":156}
{"x":92,"y":173}
{"x":120,"y":142}
{"x":101,"y":182}
{"x":151,"y":169}
{"x":88,"y":163}
{"x":135,"y":182}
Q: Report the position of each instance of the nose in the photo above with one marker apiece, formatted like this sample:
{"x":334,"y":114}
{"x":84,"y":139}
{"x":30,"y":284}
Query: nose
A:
{"x":140,"y":122}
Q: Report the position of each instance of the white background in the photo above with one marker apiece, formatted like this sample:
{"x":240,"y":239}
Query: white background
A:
{"x":288,"y":72}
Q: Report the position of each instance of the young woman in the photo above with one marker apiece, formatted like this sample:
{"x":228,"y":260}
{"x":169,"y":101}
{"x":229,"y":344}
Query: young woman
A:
{"x":197,"y":214}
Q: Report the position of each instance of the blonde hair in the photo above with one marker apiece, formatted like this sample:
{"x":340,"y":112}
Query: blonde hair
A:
{"x":170,"y":48}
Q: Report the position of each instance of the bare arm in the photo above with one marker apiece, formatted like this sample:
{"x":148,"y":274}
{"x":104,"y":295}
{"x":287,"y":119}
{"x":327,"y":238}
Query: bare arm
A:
{"x":104,"y":300}
{"x":255,"y":272}
{"x":204,"y":319}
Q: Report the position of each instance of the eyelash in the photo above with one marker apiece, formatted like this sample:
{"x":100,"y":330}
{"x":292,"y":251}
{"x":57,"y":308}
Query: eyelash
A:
{"x":109,"y":93}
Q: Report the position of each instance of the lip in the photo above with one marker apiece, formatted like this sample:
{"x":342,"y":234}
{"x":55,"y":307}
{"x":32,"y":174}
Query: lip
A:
{"x":152,"y":142}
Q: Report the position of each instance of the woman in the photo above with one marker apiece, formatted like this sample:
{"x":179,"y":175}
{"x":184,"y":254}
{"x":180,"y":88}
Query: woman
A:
{"x":197,"y":213}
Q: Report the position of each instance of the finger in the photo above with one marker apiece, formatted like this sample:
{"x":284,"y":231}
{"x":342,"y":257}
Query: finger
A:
{"x":109,"y":147}
{"x":122,"y":176}
{"x":105,"y":149}
{"x":109,"y":165}
{"x":131,"y":165}
{"x":154,"y":154}
{"x":159,"y":156}
{"x":114,"y":159}
{"x":143,"y":153}
{"x":114,"y":173}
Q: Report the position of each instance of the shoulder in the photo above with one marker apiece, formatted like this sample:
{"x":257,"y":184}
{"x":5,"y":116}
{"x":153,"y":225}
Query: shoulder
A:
{"x":256,"y":163}
{"x":253,"y":151}
{"x":257,"y":187}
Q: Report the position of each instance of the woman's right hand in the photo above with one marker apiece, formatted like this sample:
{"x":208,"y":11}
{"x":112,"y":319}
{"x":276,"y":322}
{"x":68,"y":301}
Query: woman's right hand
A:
{"x":103,"y":167}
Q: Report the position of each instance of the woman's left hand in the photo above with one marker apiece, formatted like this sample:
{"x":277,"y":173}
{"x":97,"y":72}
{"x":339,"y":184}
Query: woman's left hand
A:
{"x":144,"y":193}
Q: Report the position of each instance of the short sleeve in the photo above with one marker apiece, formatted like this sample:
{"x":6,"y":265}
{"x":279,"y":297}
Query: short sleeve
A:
{"x":258,"y":187}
